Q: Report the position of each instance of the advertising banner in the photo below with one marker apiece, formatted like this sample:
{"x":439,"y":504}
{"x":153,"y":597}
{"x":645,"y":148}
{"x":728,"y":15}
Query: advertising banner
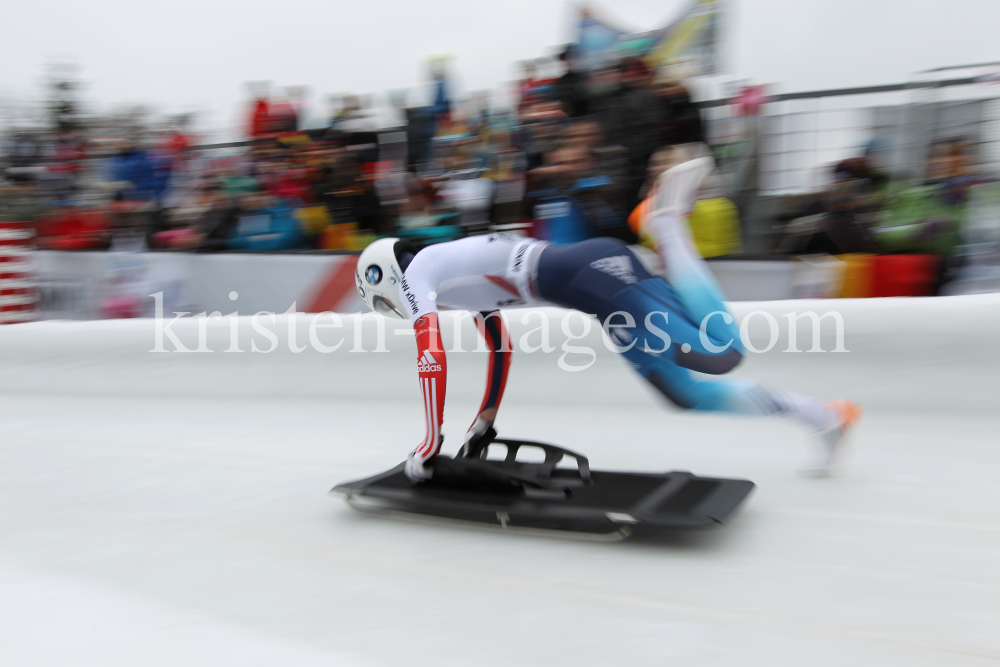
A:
{"x":690,"y":43}
{"x":95,"y":285}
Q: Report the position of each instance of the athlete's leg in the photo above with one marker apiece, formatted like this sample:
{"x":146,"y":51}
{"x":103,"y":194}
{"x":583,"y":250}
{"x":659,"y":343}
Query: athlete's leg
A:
{"x":673,"y":196}
{"x":666,"y":345}
{"x":687,"y":390}
{"x":674,"y":354}
{"x":676,"y":371}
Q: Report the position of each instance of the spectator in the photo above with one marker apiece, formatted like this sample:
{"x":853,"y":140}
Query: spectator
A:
{"x":572,"y":201}
{"x":423,"y":122}
{"x":607,"y":103}
{"x":145,"y":182}
{"x":526,"y":85}
{"x":67,"y":156}
{"x":265,"y":223}
{"x":610,"y":161}
{"x":294,"y":184}
{"x":470,"y":194}
{"x":926,"y":218}
{"x":260,"y":111}
{"x":132,"y":222}
{"x":542,"y":128}
{"x":532,"y":88}
{"x":205,"y":224}
{"x":571,"y":88}
{"x":859,"y":191}
{"x":642,"y":127}
{"x":66,"y":227}
{"x":18,"y":199}
{"x":235,"y":182}
{"x":216,"y":223}
{"x":681,"y":119}
{"x":283,"y":115}
{"x":424,"y":217}
{"x":837,"y":222}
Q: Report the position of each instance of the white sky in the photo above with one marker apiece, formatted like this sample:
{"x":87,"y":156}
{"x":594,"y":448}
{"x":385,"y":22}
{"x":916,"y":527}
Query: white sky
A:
{"x":195,"y":54}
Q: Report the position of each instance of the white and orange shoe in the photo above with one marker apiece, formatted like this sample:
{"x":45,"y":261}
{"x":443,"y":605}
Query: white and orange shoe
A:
{"x":832,"y":441}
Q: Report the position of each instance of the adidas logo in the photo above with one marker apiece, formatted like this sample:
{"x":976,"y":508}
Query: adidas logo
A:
{"x":619,"y":267}
{"x":428,"y":364}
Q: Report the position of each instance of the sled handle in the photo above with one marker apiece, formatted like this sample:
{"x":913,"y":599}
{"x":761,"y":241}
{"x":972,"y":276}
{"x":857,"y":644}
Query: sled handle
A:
{"x":553,"y":455}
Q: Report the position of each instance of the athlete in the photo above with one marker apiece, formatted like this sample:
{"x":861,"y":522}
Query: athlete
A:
{"x":599,"y":276}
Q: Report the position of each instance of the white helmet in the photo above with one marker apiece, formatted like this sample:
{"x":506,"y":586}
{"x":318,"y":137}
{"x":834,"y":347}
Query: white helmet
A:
{"x":378,"y":275}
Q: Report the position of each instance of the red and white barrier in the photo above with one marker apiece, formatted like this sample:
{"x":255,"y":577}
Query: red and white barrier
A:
{"x":18,"y":296}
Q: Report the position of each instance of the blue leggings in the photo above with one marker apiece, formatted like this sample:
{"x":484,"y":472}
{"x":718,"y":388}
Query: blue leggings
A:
{"x":679,"y":332}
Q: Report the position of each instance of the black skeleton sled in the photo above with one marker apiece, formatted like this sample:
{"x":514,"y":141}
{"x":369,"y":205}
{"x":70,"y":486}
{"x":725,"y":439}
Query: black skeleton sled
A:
{"x":549,"y":494}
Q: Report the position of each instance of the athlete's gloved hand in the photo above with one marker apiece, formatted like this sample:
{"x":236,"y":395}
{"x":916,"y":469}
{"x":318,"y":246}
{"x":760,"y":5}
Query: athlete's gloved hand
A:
{"x":415,"y":469}
{"x":482,"y":429}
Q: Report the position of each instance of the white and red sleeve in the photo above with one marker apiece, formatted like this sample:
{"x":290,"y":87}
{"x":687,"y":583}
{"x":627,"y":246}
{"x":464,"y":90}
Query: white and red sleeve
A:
{"x":432,"y":370}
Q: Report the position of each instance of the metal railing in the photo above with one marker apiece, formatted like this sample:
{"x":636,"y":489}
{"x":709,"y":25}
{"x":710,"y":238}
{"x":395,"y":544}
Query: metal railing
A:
{"x":802,"y":135}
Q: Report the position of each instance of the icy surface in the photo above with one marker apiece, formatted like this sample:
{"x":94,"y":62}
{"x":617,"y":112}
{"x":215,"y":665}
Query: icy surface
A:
{"x":168,"y":508}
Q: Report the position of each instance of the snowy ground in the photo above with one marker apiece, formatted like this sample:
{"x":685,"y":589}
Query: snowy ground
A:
{"x":165,"y":509}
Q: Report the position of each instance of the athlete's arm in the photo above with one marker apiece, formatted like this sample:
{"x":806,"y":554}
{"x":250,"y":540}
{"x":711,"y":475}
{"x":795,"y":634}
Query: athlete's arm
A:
{"x":432,"y":371}
{"x":423,"y":277}
{"x":498,"y":342}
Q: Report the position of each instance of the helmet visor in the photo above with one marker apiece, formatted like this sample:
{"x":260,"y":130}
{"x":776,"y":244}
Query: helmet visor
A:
{"x":383,"y":306}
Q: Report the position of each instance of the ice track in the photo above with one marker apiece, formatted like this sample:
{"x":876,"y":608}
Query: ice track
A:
{"x":167,"y":509}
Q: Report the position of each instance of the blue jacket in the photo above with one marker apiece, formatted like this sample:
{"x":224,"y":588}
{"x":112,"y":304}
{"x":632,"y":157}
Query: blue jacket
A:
{"x":138,"y":169}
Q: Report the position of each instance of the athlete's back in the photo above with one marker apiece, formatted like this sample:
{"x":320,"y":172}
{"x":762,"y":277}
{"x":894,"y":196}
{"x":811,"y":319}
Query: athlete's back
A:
{"x":479,"y":273}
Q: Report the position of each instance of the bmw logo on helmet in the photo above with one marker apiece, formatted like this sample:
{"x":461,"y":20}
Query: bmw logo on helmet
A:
{"x":373,"y":275}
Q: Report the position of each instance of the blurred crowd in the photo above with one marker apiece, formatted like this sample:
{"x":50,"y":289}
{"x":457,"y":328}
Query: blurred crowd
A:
{"x":570,"y":160}
{"x":573,"y":157}
{"x":865,"y":211}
